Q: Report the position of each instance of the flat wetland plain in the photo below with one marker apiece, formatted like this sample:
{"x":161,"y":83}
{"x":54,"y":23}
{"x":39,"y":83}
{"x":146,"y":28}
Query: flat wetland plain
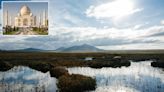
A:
{"x":69,"y":59}
{"x":44,"y":60}
{"x":57,"y":64}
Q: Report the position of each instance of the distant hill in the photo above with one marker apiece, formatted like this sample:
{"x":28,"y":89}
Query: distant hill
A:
{"x":80,"y":48}
{"x":60,"y":49}
{"x":30,"y":49}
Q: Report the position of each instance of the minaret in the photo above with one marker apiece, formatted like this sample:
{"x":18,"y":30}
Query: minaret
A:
{"x":44,"y":18}
{"x":10,"y":21}
{"x":35,"y":21}
{"x":6,"y":19}
{"x":40,"y":20}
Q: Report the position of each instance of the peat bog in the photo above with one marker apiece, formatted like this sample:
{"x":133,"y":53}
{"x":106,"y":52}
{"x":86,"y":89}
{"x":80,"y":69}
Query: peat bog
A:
{"x":56,"y":64}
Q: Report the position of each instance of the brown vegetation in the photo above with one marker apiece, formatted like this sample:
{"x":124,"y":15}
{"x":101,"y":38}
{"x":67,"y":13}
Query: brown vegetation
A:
{"x":158,"y":64}
{"x":75,"y":83}
{"x":55,"y":63}
{"x":41,"y":66}
{"x":4,"y":66}
{"x":58,"y":71}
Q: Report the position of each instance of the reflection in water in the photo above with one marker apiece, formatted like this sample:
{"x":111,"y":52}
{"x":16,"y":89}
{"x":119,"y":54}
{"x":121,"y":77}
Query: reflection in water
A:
{"x":24,"y":79}
{"x":139,"y":77}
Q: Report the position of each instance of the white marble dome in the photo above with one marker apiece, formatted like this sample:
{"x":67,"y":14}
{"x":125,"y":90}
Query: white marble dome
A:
{"x":25,"y":10}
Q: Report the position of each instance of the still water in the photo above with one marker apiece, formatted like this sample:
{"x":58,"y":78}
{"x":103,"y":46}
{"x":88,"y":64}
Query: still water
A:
{"x":24,"y":79}
{"x":139,"y":77}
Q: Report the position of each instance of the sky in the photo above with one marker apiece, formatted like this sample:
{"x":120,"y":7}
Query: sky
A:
{"x":13,"y":8}
{"x":106,"y":24}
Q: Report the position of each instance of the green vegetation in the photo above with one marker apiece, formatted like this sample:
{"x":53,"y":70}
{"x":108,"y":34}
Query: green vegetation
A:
{"x":8,"y":30}
{"x":41,"y":31}
{"x":75,"y":83}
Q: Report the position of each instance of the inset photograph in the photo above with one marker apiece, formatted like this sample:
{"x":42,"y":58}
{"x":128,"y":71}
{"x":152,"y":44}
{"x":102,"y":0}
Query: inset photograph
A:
{"x":25,"y":18}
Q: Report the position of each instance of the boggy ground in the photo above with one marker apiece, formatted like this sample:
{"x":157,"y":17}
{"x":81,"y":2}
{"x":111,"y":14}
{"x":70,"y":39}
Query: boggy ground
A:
{"x":64,"y":59}
{"x":100,"y":60}
{"x":57,"y":62}
{"x":66,"y":82}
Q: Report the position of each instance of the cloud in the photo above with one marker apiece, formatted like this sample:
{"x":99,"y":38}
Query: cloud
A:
{"x":84,"y":33}
{"x":69,"y":36}
{"x":66,"y":13}
{"x":12,"y":38}
{"x":157,"y":34}
{"x":13,"y":42}
{"x":116,"y":8}
{"x":137,"y":46}
{"x":70,"y":26}
{"x":0,"y":16}
{"x":137,"y":26}
{"x":162,"y":22}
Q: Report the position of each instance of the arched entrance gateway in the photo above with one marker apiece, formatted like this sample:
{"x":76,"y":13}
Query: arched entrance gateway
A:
{"x":25,"y":22}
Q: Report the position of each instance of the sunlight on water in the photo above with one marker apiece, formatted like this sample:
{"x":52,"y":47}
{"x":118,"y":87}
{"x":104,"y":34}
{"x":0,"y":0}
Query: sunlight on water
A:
{"x":24,"y":79}
{"x":139,"y":77}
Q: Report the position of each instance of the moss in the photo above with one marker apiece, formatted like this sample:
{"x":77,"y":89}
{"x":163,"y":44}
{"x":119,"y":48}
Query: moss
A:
{"x":76,"y":83}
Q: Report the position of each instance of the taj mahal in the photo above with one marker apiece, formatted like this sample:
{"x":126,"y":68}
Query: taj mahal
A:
{"x":25,"y":18}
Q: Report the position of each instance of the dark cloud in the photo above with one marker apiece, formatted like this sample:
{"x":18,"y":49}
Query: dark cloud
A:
{"x":157,"y":34}
{"x":53,"y":42}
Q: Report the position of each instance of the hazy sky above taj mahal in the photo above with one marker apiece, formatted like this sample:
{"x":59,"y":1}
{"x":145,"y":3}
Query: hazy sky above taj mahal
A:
{"x":106,"y":24}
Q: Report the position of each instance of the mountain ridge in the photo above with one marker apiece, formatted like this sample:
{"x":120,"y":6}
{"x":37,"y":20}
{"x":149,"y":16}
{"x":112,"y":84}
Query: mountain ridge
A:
{"x":79,"y":48}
